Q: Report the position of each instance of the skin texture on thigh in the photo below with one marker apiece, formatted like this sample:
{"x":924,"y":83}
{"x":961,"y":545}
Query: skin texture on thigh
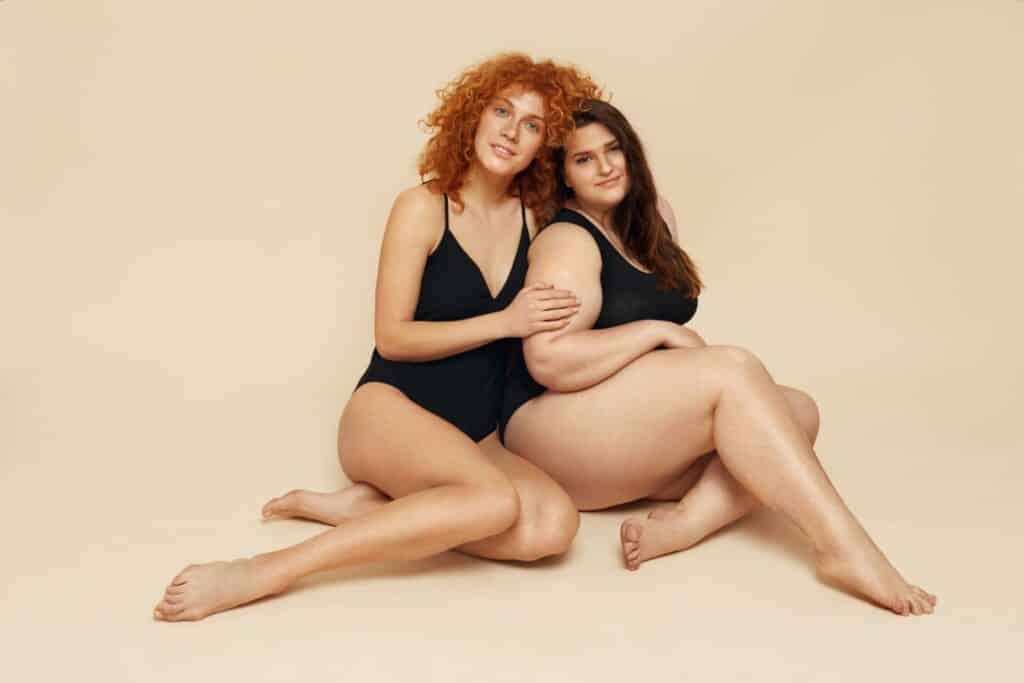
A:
{"x":546,"y":525}
{"x":388,"y":441}
{"x":805,"y":410}
{"x":626,"y":437}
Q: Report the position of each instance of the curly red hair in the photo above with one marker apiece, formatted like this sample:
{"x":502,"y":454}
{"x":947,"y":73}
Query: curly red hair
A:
{"x":449,"y":151}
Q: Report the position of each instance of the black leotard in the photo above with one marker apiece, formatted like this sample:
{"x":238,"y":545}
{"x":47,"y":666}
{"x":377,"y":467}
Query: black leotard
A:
{"x":628,"y":294}
{"x":464,"y":389}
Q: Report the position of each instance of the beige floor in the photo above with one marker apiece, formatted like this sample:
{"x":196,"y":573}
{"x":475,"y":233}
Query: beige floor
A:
{"x":191,"y":200}
{"x":113,"y":496}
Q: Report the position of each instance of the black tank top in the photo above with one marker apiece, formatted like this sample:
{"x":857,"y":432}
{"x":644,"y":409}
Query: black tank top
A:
{"x":627,"y":294}
{"x":465,"y":389}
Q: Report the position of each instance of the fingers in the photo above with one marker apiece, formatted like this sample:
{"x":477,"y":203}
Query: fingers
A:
{"x":558,"y":313}
{"x":551,"y":293}
{"x":547,"y":326}
{"x":554,"y":304}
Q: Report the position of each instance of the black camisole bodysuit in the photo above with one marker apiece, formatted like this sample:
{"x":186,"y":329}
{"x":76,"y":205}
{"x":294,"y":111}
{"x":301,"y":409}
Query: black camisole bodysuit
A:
{"x":465,"y":389}
{"x":627,"y":294}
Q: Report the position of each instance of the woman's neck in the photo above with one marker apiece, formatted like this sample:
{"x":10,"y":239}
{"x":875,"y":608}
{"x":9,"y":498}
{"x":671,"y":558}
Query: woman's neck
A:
{"x":602,"y":215}
{"x":484,"y":190}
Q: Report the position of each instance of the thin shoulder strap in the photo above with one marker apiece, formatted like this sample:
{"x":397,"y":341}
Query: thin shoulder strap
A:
{"x":445,"y":210}
{"x":522,"y":207}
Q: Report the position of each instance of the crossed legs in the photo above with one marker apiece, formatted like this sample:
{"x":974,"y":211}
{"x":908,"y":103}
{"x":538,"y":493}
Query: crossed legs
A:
{"x":708,"y":498}
{"x":635,"y":433}
{"x":445,"y":496}
{"x":546,"y":526}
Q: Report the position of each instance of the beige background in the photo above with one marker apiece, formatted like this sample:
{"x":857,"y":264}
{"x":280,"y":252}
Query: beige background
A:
{"x":191,"y":200}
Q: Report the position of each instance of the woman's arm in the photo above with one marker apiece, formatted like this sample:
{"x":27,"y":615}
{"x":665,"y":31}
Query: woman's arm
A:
{"x":577,"y":356}
{"x":403,"y":257}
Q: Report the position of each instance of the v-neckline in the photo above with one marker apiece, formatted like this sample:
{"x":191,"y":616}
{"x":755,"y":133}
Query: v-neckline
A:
{"x":480,"y":272}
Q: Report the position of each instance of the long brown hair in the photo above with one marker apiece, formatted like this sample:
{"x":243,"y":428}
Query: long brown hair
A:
{"x":636,"y":220}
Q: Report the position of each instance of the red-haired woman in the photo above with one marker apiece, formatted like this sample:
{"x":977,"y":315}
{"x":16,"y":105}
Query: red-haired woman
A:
{"x":417,"y":435}
{"x":632,"y":402}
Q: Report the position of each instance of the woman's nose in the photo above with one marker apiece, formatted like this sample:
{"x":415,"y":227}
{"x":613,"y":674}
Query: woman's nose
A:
{"x":509,"y":129}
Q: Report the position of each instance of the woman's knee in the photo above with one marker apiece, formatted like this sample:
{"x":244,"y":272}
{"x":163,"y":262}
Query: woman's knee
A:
{"x":494,"y":505}
{"x":732,"y":366}
{"x":806,"y":411}
{"x":809,"y":415}
{"x":548,"y":529}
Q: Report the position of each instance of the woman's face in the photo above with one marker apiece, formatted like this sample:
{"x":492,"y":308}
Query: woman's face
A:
{"x":511,"y":131}
{"x":595,"y":167}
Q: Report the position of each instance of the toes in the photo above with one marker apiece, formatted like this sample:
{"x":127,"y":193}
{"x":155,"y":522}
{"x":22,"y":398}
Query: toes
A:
{"x":268,"y":508}
{"x":631,"y":530}
{"x":278,"y":505}
{"x":182,"y":576}
{"x":916,"y":606}
{"x":926,"y":607}
{"x":286,"y":505}
{"x":630,"y":533}
{"x":927,"y":598}
{"x":167,"y":611}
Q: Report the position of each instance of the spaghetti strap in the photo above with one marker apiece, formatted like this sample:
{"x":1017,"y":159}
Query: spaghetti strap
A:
{"x":465,"y":389}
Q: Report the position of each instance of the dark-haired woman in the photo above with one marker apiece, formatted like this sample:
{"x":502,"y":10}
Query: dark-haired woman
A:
{"x":632,"y":400}
{"x":419,"y":428}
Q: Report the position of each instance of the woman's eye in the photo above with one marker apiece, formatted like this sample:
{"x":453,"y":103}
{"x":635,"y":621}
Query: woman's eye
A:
{"x":500,"y":111}
{"x":582,"y":160}
{"x":531,"y":125}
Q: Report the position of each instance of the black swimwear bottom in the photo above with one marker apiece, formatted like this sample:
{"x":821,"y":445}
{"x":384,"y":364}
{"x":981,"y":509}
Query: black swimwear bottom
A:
{"x":473,"y":408}
{"x":520,"y":387}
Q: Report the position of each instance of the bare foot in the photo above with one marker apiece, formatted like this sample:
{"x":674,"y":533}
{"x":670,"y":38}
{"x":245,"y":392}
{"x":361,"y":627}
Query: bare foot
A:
{"x":678,"y":527}
{"x":661,"y":533}
{"x":867,"y":573}
{"x":326,"y":508}
{"x":205,"y":589}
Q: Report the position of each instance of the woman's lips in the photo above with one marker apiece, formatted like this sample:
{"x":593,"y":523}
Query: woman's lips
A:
{"x":502,"y":152}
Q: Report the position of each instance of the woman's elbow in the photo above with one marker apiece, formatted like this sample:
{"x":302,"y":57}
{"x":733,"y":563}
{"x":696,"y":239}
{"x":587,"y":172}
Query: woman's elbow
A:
{"x":545,"y":371}
{"x":387,"y":345}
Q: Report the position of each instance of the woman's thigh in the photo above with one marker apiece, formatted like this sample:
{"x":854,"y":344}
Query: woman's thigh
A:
{"x":536,"y":488}
{"x":804,"y":409}
{"x":628,"y":436}
{"x":391,"y":443}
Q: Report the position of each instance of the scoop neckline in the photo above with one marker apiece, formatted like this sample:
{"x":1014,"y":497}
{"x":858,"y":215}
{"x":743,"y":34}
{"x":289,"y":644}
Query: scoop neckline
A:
{"x":605,"y":238}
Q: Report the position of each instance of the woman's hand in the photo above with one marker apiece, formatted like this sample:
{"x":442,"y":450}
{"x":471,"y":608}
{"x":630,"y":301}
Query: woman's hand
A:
{"x":539,"y":308}
{"x":679,"y":337}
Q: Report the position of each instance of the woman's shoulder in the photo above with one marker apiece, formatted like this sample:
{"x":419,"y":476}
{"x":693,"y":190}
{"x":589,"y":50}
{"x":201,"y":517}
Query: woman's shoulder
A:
{"x":417,"y":216}
{"x":565,"y":239}
{"x":422,"y":198}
